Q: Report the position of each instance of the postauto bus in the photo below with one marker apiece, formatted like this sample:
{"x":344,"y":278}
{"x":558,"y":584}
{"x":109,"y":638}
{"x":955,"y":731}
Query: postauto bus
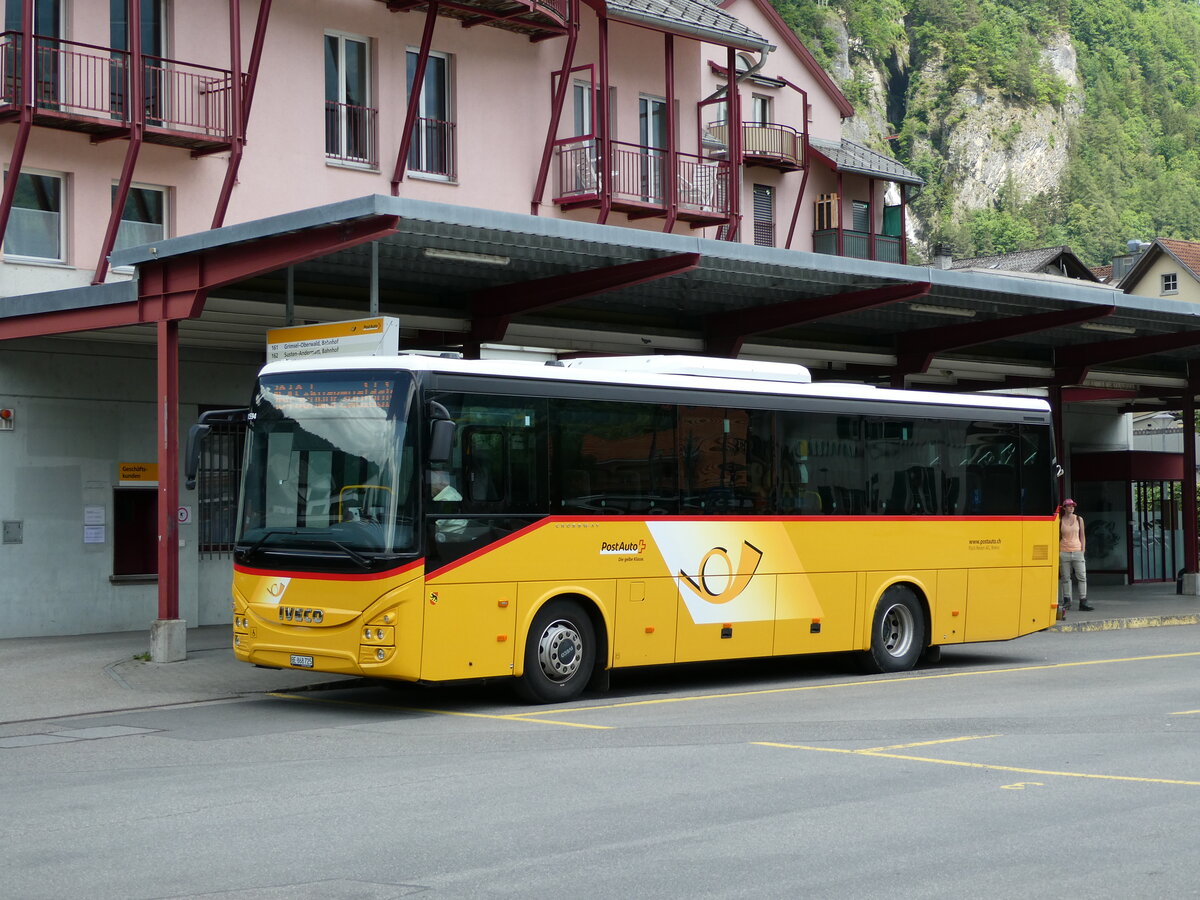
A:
{"x":430,"y":520}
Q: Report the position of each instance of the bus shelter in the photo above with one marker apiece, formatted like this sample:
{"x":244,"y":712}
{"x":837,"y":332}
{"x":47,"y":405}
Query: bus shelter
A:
{"x":469,"y":280}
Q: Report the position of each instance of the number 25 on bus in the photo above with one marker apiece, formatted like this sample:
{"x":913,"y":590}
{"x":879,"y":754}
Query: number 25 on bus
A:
{"x":430,"y":519}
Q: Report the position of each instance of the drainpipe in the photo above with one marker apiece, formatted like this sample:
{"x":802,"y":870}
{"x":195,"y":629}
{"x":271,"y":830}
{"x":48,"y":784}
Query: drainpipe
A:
{"x":604,"y":150}
{"x":672,"y":173}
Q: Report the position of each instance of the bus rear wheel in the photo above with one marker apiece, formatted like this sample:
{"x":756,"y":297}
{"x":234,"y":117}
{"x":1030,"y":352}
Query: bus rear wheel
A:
{"x":898,"y":632}
{"x":560,"y":653}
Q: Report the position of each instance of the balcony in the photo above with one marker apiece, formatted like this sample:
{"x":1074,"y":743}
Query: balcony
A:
{"x":766,"y":144}
{"x":857,"y":245}
{"x":534,"y":19}
{"x":86,"y":88}
{"x":638,"y":181}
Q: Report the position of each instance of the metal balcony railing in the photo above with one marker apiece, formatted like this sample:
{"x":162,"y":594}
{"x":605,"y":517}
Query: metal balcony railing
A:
{"x":350,"y":134}
{"x":639,"y":177}
{"x":188,"y":97}
{"x":433,"y":150}
{"x":75,"y":82}
{"x":766,"y":142}
{"x":857,"y":245}
{"x":68,"y":77}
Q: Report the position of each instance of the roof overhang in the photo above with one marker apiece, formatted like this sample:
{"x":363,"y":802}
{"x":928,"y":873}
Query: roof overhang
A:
{"x":455,"y":276}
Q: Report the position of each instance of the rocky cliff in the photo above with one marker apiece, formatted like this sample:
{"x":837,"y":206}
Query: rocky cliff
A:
{"x":974,"y":144}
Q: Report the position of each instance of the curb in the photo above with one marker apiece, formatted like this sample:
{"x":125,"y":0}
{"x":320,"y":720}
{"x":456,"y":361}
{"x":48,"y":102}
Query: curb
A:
{"x":1128,"y":622}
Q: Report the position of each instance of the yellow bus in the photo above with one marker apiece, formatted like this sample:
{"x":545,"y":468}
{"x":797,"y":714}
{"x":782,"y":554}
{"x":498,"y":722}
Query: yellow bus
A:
{"x":432,"y":519}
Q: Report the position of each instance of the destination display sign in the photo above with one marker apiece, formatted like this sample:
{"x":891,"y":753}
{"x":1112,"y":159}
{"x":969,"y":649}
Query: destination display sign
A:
{"x":379,"y":336}
{"x":295,"y":395}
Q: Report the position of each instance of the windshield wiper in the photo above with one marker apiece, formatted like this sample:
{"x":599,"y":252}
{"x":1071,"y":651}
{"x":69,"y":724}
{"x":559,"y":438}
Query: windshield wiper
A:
{"x":350,"y":553}
{"x":253,"y":548}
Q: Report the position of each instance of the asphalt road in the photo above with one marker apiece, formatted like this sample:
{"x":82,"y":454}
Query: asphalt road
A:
{"x":1059,"y":765}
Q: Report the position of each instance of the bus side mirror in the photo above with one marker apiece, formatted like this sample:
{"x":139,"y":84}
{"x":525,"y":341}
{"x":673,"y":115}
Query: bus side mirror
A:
{"x":196,"y":436}
{"x":441,"y":433}
{"x":198,"y":432}
{"x":441,"y":440}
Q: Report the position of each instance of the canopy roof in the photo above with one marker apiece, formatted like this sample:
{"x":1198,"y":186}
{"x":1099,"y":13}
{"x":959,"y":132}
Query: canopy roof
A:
{"x":458,"y":276}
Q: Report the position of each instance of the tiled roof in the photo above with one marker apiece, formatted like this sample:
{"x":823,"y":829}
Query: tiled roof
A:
{"x":1062,"y":259}
{"x":1017,"y":261}
{"x":848,"y":156}
{"x":1103,"y":273}
{"x":697,"y":18}
{"x":1187,"y":252}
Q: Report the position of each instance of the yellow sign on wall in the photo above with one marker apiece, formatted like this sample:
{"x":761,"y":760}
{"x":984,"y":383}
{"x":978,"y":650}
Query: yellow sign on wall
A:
{"x":137,"y":473}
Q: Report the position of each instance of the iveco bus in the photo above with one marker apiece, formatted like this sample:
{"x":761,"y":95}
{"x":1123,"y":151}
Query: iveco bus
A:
{"x":430,"y":519}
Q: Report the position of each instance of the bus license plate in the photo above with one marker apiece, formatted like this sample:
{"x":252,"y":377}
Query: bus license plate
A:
{"x":304,"y":662}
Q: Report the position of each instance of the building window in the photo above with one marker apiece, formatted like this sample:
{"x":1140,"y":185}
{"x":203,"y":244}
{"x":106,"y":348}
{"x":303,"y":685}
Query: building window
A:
{"x":155,"y":88}
{"x":1170,"y":283}
{"x":760,"y":110}
{"x":218,"y":480}
{"x":432,"y":150}
{"x":35,"y":224}
{"x":826,"y":212}
{"x":764,"y":215}
{"x":143,"y":221}
{"x":349,"y":116}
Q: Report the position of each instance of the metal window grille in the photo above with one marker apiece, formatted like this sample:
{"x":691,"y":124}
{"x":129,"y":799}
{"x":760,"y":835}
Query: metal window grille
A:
{"x":218,"y":482}
{"x":764,"y":215}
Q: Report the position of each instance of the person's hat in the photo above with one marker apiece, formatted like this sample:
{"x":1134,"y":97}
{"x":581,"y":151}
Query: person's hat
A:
{"x":1068,"y":502}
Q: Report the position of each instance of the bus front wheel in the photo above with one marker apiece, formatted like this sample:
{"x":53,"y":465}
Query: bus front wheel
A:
{"x":898,"y":632}
{"x":560,"y":653}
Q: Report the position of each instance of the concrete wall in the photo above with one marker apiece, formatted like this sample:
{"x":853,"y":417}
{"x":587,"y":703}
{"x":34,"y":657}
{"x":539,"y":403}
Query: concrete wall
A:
{"x":80,"y":409}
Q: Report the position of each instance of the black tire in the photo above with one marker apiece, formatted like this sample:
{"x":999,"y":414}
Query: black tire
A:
{"x":898,"y":632}
{"x":560,"y":653}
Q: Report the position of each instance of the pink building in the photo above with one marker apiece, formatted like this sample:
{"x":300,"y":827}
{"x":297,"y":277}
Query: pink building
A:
{"x":125,"y":126}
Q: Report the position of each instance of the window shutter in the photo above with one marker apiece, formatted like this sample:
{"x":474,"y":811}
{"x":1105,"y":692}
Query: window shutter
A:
{"x":764,"y":215}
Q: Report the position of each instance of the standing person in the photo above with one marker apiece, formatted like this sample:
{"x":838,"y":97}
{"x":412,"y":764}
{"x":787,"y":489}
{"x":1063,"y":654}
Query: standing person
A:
{"x":1072,"y":542}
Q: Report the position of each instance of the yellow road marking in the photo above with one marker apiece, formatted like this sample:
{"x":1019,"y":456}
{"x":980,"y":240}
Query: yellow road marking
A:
{"x":974,"y":737}
{"x":535,"y":716}
{"x":1187,"y":712}
{"x":439,"y":712}
{"x":862,"y":683}
{"x":971,"y":765}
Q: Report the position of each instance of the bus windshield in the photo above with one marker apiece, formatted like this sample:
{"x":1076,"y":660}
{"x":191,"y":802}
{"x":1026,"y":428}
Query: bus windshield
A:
{"x":330,"y":470}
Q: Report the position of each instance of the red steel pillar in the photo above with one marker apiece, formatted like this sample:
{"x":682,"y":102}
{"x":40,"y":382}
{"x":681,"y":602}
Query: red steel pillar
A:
{"x":414,"y":98}
{"x":136,"y":74}
{"x":168,"y":643}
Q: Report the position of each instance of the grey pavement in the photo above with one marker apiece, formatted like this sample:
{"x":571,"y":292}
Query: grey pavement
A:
{"x":51,"y":677}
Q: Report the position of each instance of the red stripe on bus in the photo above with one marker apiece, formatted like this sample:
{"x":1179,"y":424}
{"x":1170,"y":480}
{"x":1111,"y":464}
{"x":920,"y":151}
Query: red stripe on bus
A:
{"x":488,"y":548}
{"x":324,"y":576}
{"x":553,"y":520}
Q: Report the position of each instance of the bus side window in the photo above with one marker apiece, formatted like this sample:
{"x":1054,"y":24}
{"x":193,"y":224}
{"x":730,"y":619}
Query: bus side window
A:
{"x":485,"y":464}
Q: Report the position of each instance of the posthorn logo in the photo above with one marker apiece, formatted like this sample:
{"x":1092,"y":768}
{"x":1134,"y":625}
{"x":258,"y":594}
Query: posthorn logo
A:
{"x":734,"y":579}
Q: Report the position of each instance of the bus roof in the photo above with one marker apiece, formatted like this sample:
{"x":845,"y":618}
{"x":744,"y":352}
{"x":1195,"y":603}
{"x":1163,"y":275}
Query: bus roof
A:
{"x":736,"y":376}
